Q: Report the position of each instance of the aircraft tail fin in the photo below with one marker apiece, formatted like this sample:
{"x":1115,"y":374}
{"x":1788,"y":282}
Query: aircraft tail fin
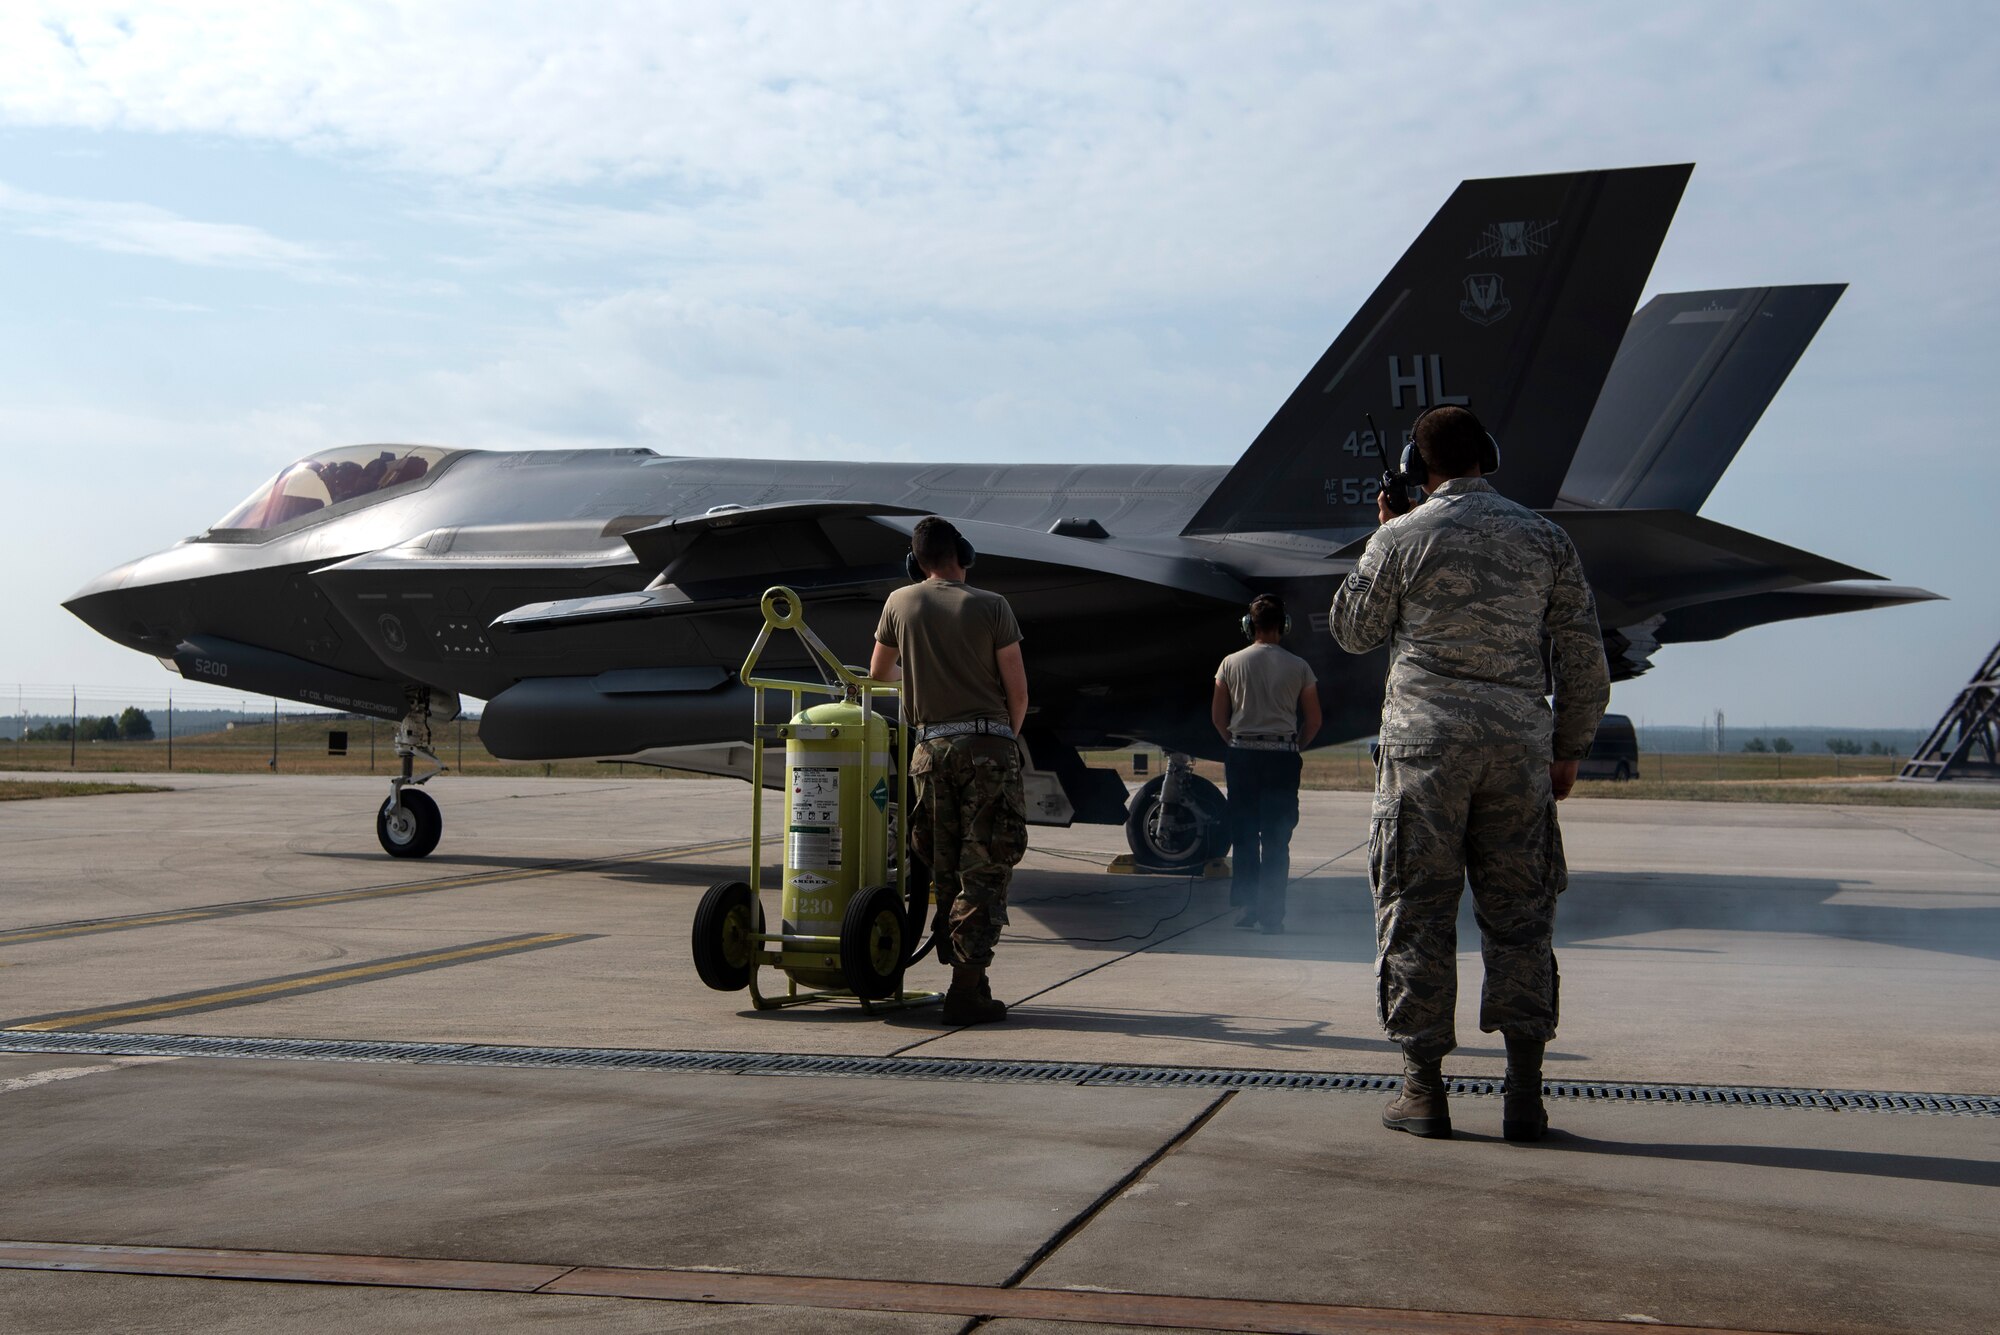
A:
{"x":1512,"y":302}
{"x":1695,"y":372}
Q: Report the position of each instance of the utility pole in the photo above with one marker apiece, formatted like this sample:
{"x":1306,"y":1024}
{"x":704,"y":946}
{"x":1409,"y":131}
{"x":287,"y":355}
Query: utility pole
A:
{"x":170,"y":730}
{"x":274,"y":735}
{"x":72,"y":727}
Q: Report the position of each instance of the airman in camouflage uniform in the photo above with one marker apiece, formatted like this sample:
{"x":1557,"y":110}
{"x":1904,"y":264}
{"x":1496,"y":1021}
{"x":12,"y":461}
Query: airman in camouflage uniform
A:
{"x":957,"y":650}
{"x":1468,"y":589}
{"x":970,"y":828}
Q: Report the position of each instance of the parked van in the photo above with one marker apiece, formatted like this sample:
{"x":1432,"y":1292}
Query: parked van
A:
{"x":1614,"y":754}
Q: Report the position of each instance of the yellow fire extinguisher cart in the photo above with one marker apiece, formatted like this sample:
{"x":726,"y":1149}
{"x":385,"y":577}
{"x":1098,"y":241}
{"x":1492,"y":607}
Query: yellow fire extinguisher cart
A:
{"x":850,"y":918}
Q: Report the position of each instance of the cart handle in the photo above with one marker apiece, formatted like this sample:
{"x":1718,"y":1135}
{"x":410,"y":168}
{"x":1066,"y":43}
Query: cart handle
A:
{"x":784,"y":610}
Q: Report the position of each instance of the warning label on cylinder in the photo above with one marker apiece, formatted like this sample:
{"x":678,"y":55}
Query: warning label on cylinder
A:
{"x":815,"y":796}
{"x":817,"y":847}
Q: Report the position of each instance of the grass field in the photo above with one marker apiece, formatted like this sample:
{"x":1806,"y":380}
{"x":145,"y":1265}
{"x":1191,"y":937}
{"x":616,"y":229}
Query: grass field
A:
{"x":21,"y":790}
{"x":301,"y":748}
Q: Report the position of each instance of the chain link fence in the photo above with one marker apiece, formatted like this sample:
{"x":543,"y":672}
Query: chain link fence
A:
{"x":195,"y":729}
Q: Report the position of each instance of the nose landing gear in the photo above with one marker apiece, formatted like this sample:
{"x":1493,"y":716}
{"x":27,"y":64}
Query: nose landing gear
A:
{"x":409,"y":824}
{"x":1178,"y":821}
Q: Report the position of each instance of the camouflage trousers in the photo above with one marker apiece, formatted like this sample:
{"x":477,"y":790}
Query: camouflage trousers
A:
{"x":1442,"y":815}
{"x":970,"y":826}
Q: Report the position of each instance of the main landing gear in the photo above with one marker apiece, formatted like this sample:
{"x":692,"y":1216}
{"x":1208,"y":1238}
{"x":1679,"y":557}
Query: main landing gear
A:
{"x":1178,"y":821}
{"x":409,"y":824}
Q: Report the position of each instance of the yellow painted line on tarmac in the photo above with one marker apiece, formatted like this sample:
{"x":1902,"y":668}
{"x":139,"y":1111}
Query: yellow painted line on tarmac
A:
{"x":59,"y":931}
{"x":265,"y":989}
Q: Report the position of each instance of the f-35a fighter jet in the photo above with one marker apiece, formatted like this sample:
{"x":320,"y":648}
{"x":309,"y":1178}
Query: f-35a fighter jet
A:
{"x":600,"y":600}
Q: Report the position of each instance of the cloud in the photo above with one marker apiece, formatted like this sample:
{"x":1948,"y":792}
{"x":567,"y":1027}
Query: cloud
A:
{"x":144,"y":229}
{"x":1064,"y":160}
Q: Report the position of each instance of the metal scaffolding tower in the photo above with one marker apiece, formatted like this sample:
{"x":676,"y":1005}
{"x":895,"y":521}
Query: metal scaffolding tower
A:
{"x":1965,"y":744}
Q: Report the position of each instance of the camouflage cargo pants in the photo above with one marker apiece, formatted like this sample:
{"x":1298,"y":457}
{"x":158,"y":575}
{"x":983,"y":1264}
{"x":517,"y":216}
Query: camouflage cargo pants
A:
{"x":970,"y":826}
{"x":1443,"y":815}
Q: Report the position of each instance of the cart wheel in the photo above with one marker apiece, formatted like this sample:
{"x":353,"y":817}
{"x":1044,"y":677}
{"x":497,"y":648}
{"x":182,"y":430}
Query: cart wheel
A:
{"x":871,"y":943}
{"x":724,"y":954}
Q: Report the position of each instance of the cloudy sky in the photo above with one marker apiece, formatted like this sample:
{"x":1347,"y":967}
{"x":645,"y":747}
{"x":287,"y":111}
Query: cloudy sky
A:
{"x":233,"y":234}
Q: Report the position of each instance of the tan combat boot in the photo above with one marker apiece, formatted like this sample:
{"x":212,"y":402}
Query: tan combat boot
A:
{"x":1522,"y":1116}
{"x":1420,"y":1109}
{"x":971,"y":1000}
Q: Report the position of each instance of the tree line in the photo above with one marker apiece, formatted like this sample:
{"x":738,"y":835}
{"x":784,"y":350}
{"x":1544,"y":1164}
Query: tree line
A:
{"x":131,"y":726}
{"x":1840,"y":746}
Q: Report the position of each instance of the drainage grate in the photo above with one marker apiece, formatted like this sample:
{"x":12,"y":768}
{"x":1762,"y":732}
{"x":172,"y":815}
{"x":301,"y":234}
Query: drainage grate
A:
{"x":1100,"y":1074}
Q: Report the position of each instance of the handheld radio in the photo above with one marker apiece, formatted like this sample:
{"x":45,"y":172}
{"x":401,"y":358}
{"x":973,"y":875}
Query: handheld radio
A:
{"x":1396,"y":483}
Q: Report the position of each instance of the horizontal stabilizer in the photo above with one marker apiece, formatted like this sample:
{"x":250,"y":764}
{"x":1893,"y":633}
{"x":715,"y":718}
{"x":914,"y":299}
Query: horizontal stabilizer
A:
{"x":1713,"y":620}
{"x":1641,"y":563}
{"x":1511,"y":302}
{"x":1694,"y":373}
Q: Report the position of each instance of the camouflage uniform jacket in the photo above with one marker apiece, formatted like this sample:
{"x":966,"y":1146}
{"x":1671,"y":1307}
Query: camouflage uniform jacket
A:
{"x":1472,"y":587}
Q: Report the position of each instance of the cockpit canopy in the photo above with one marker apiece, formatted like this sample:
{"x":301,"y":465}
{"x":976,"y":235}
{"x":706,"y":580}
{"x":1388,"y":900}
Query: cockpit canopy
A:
{"x":330,"y":477}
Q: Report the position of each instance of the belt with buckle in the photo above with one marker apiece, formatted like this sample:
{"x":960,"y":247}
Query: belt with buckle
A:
{"x":978,"y":727}
{"x":1265,"y":741}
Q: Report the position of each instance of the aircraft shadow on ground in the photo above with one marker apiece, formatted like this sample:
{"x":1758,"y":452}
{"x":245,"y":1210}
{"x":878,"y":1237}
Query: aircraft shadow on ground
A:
{"x":1330,"y":917}
{"x":1908,"y":1167}
{"x":1606,"y":904}
{"x":1249,"y":1032}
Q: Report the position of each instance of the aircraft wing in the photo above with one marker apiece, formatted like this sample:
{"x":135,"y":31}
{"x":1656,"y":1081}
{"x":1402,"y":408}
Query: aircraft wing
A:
{"x":659,"y":546}
{"x":729,"y":559}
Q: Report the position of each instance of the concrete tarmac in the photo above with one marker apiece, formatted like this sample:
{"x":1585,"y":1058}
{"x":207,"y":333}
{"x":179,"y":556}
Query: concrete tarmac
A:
{"x":1814,"y":947}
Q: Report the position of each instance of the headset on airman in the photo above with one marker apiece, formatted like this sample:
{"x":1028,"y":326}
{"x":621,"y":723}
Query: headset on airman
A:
{"x":1250,"y":626}
{"x":915,"y":570}
{"x":1416,"y":469}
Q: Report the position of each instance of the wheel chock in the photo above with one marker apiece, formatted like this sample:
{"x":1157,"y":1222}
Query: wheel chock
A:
{"x":1215,"y":869}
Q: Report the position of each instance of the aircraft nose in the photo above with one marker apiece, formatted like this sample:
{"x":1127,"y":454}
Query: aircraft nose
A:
{"x":111,"y":580}
{"x":119,"y":609}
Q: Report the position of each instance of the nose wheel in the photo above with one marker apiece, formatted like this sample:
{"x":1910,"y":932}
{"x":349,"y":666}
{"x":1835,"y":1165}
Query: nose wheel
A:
{"x":1178,"y":821}
{"x":408,"y":824}
{"x":411,"y":827}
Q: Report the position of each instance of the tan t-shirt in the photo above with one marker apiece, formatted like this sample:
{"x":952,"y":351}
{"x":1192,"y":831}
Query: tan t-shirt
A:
{"x":947,"y":633}
{"x":1265,"y":682}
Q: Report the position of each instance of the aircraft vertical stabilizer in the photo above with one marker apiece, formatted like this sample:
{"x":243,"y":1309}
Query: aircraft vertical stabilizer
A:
{"x":1695,"y":372}
{"x":1511,"y":302}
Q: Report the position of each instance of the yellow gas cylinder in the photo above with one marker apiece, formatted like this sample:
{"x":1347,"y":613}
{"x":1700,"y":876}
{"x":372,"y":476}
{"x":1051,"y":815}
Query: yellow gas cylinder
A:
{"x":838,"y":804}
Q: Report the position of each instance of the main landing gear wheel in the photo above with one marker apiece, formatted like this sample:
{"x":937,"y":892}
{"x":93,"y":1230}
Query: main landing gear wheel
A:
{"x":1178,"y":836}
{"x":871,"y":943}
{"x":409,"y":828}
{"x":727,"y":918}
